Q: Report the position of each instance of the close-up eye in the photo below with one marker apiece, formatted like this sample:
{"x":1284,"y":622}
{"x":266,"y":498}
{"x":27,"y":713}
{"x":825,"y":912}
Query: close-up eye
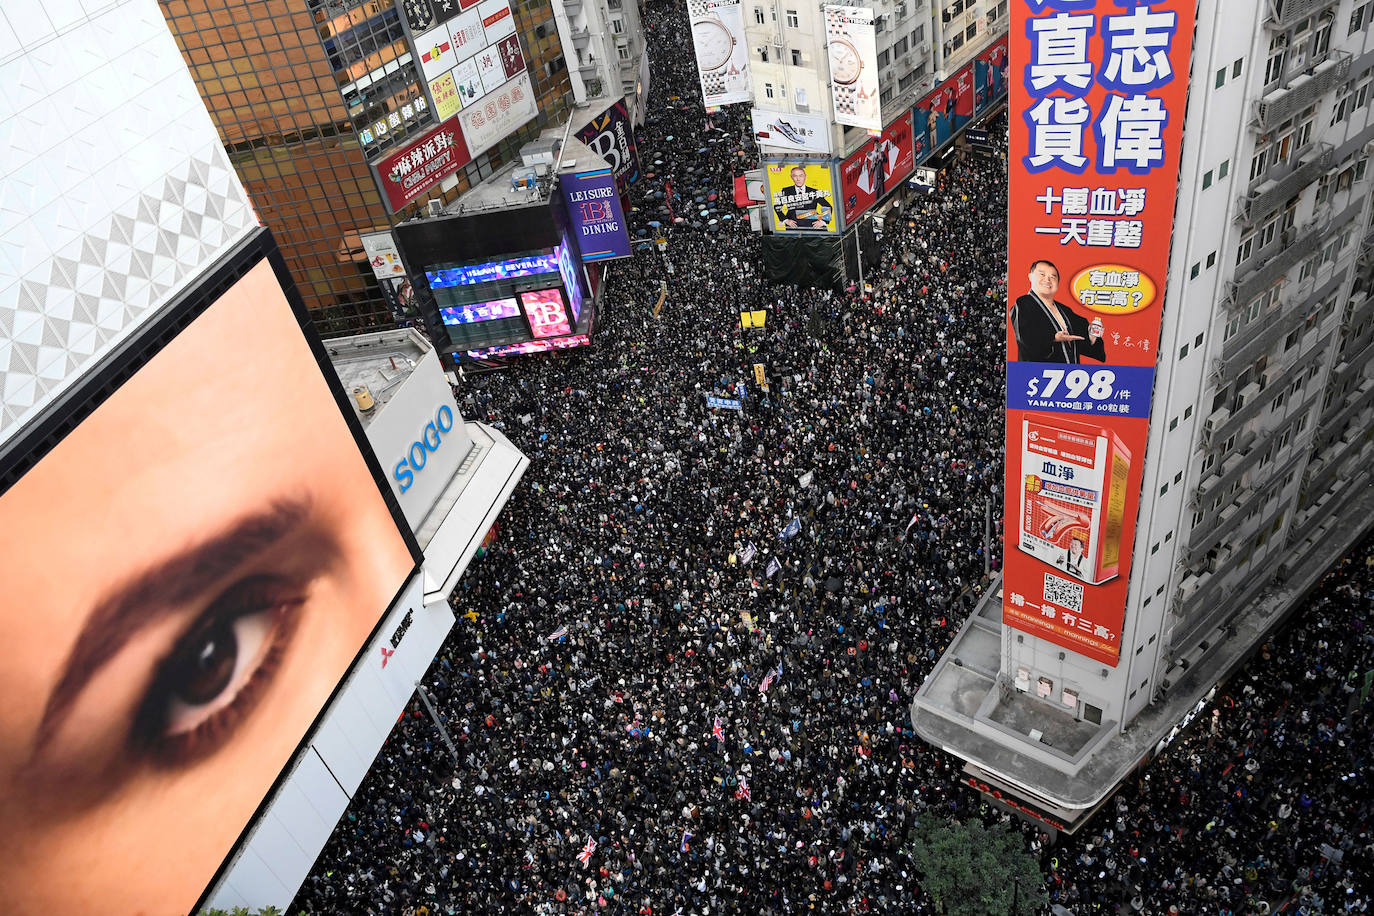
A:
{"x":215,"y":673}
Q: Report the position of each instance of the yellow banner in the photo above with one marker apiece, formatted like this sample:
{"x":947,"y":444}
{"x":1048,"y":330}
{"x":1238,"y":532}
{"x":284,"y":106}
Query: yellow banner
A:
{"x":802,"y":197}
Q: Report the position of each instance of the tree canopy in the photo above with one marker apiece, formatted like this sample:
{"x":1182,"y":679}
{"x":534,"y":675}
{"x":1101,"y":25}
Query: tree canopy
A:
{"x":971,"y":870}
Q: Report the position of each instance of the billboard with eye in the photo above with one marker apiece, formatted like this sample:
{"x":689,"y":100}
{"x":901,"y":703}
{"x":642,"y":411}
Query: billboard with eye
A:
{"x":206,"y":547}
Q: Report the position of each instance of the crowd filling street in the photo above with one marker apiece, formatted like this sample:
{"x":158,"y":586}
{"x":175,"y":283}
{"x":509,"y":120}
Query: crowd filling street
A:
{"x":680,"y":679}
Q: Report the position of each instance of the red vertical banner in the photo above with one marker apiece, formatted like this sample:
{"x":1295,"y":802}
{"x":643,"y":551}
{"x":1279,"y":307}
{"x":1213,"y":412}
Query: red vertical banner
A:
{"x":1097,"y":97}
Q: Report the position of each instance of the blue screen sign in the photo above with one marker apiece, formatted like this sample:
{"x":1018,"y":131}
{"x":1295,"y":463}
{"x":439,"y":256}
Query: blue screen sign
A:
{"x":493,"y":270}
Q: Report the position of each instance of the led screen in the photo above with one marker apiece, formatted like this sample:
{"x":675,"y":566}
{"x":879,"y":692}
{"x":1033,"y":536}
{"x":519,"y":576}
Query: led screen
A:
{"x":568,"y":270}
{"x":544,"y":309}
{"x":201,"y":560}
{"x":481,"y":311}
{"x":532,"y":346}
{"x":543,"y":263}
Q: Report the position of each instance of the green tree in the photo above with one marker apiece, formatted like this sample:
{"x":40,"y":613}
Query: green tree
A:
{"x":970,"y":870}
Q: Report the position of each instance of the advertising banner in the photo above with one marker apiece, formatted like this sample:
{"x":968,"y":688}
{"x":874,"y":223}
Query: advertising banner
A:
{"x":721,"y":49}
{"x":877,"y":167}
{"x":199,"y":608}
{"x":802,"y":197}
{"x":1096,"y":128}
{"x":597,"y":217}
{"x":383,"y":256}
{"x":470,"y":56}
{"x":935,"y":114}
{"x":851,"y":46}
{"x":991,"y":74}
{"x":407,"y":172}
{"x":492,"y":117}
{"x":611,"y":136}
{"x":963,"y":97}
{"x":794,"y":133}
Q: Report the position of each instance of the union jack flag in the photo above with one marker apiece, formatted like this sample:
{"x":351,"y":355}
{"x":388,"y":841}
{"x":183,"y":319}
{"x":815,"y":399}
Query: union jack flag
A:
{"x":585,"y":855}
{"x":716,"y":731}
{"x":743,"y":791}
{"x":684,"y":846}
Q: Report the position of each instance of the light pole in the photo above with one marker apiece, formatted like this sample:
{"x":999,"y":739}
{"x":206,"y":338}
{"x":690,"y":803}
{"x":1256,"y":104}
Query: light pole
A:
{"x":438,"y":723}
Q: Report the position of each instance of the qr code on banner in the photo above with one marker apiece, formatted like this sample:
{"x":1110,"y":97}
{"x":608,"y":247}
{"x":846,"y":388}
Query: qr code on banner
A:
{"x":1063,"y":593}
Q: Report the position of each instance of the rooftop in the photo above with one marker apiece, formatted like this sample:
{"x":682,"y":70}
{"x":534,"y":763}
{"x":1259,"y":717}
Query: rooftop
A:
{"x":499,"y":192}
{"x":379,"y":361}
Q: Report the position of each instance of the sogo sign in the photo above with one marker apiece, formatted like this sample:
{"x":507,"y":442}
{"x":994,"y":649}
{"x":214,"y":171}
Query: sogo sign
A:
{"x":431,"y":437}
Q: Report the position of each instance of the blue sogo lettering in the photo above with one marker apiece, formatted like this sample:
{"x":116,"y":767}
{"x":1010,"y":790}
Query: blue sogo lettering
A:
{"x":431,"y":437}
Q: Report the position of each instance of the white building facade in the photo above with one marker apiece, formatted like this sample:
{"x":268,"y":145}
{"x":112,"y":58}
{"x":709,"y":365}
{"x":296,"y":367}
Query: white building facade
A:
{"x":790,"y":70}
{"x":1256,"y":474}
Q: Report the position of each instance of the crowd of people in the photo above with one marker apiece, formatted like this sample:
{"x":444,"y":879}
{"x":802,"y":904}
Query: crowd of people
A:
{"x":680,"y":680}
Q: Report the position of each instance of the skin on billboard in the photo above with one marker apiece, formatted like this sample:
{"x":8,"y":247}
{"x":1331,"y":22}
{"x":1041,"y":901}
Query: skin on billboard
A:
{"x":802,"y":196}
{"x":201,"y":560}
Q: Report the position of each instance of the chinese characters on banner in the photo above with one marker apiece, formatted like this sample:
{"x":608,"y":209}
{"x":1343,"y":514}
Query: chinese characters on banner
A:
{"x":611,"y":136}
{"x":598,"y":221}
{"x":411,"y":170}
{"x":1097,"y":99}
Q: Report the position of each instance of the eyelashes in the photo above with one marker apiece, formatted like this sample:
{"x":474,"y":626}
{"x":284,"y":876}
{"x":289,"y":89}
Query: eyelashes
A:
{"x":218,"y":670}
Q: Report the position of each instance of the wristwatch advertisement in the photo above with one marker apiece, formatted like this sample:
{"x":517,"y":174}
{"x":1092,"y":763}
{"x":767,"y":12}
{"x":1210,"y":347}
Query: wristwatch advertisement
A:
{"x":722,"y":55}
{"x":852,"y":49}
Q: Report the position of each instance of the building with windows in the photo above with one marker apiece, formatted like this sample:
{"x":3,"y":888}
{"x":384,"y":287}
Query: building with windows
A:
{"x":309,"y":96}
{"x":607,"y":61}
{"x":1257,"y":470}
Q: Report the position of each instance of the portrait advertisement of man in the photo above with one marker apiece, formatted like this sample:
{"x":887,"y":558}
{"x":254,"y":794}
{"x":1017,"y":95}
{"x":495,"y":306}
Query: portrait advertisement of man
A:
{"x":802,"y":206}
{"x":1048,"y":331}
{"x":191,"y":571}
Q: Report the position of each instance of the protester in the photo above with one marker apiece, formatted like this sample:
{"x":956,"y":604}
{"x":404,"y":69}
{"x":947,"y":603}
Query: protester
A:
{"x":680,"y":680}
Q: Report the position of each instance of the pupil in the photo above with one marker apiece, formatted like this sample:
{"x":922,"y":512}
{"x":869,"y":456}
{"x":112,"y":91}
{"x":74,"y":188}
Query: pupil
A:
{"x":208,"y":665}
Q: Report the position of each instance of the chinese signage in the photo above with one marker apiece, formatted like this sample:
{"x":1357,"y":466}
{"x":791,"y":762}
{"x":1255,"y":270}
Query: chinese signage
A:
{"x":610,"y":136}
{"x":470,"y":57}
{"x":722,"y":53}
{"x":1096,"y":128}
{"x":493,"y":116}
{"x":851,"y":46}
{"x":877,"y":167}
{"x":408,"y":172}
{"x":597,"y":217}
{"x":802,"y":197}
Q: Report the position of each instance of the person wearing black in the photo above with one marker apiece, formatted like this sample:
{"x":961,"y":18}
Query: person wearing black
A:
{"x":803,"y":207}
{"x":1048,"y":331}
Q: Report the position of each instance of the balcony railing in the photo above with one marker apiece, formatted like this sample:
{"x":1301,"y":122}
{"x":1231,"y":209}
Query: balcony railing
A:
{"x":1283,"y":13}
{"x":1281,"y":104}
{"x":1263,"y":199}
{"x":1298,"y":246}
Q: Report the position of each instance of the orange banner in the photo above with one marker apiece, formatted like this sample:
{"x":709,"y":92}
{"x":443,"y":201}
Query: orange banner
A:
{"x":1097,"y":99}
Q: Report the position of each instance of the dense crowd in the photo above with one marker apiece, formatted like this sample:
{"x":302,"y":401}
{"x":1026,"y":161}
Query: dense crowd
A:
{"x":680,"y":679}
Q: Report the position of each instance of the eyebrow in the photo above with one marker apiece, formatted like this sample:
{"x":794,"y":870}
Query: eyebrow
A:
{"x":157,"y":592}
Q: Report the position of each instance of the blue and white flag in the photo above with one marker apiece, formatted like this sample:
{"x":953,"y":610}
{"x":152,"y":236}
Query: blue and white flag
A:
{"x":747,"y":554}
{"x":726,"y":403}
{"x":792,"y":529}
{"x":773,"y":566}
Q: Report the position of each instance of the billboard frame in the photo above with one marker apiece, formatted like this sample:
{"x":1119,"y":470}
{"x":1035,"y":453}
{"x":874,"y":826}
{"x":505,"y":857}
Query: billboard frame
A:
{"x":28,"y":446}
